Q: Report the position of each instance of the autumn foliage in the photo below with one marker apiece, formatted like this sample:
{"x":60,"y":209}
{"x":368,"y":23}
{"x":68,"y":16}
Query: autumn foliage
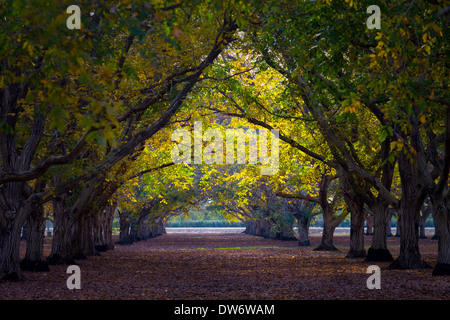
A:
{"x":87,"y":118}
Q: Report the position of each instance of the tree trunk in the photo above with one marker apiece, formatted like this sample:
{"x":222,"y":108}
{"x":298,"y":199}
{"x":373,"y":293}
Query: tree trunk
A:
{"x":124,"y":237}
{"x":326,"y":242}
{"x":356,"y":207}
{"x":160,"y":228}
{"x":378,"y":250}
{"x":250,"y":227}
{"x":329,"y":225}
{"x":73,"y":233}
{"x":34,"y":257}
{"x":442,"y":225}
{"x":62,"y":232}
{"x":303,"y":222}
{"x":124,"y":225}
{"x":329,"y":221}
{"x":256,"y":227}
{"x":263,"y":227}
{"x":133,"y":232}
{"x":99,"y":232}
{"x":9,"y":249}
{"x":83,"y":238}
{"x":410,"y":257}
{"x":103,"y":229}
{"x":13,"y":214}
{"x":389,"y":224}
{"x":108,"y":226}
{"x":409,"y":217}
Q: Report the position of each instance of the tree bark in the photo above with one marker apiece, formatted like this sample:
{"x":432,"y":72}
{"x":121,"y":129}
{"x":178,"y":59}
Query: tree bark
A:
{"x":34,"y":256}
{"x":11,"y":222}
{"x":250,"y":227}
{"x":103,"y":229}
{"x":258,"y":227}
{"x":378,"y":250}
{"x":303,"y":222}
{"x":389,"y":224}
{"x":13,"y":214}
{"x":409,"y":218}
{"x":82,"y":242}
{"x":326,"y":242}
{"x":9,"y":249}
{"x":357,"y":215}
{"x":62,"y":232}
{"x":124,"y":224}
{"x":329,"y":221}
{"x":442,"y":225}
{"x":73,"y":226}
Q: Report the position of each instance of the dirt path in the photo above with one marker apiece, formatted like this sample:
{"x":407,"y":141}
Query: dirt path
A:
{"x":231,"y":266}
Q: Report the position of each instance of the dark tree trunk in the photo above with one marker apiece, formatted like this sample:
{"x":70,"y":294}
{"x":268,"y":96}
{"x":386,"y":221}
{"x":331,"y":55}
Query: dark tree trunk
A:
{"x":303,"y":222}
{"x":103,"y":229}
{"x":355,"y":205}
{"x":257,"y":227}
{"x":329,"y":221}
{"x":108,"y":227}
{"x":83,"y":238}
{"x":9,"y":249}
{"x":124,"y":225}
{"x":62,"y":233}
{"x":13,"y":214}
{"x":10,"y":240}
{"x":73,"y":233}
{"x":34,"y":256}
{"x":389,"y":224}
{"x":160,"y":228}
{"x":124,"y":237}
{"x":357,"y":214}
{"x":250,"y":227}
{"x":378,"y":250}
{"x":326,"y":242}
{"x":263,"y":227}
{"x":134,"y":232}
{"x":409,"y":217}
{"x":442,"y":224}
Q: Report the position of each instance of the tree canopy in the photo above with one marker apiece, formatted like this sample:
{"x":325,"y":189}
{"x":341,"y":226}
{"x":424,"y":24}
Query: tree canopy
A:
{"x":87,"y":120}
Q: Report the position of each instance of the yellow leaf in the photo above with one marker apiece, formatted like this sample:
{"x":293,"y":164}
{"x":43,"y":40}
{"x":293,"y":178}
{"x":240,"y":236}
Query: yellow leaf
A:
{"x":424,"y":37}
{"x":423,"y":118}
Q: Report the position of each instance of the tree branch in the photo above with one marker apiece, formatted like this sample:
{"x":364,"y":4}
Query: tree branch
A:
{"x":46,"y":164}
{"x":297,"y":196}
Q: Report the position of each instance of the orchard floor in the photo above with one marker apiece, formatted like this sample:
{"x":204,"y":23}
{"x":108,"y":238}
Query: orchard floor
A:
{"x":231,"y":266}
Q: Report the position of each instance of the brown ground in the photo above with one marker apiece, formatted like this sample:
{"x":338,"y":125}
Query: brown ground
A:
{"x":231,"y":266}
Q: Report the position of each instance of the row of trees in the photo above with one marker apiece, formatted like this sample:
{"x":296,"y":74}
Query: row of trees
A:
{"x":364,"y":111}
{"x":78,"y":107}
{"x":87,"y":115}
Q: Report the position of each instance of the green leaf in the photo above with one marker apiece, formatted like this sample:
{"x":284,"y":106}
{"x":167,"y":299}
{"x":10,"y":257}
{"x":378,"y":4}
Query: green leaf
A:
{"x":383,"y":135}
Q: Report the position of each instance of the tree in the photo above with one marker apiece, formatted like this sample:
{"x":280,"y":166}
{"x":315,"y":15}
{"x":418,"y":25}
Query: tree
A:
{"x":93,"y":76}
